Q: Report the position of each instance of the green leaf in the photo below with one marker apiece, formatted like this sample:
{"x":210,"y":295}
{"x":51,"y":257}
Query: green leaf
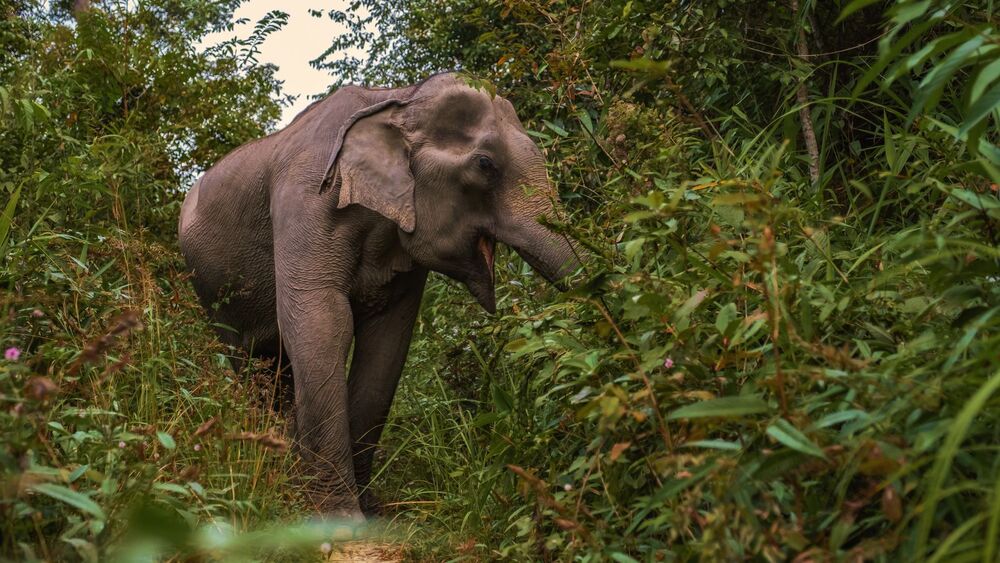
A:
{"x":854,"y":7}
{"x":76,"y":473}
{"x":841,"y":416}
{"x":586,"y":122}
{"x":502,"y":399}
{"x":173,"y":488}
{"x":725,"y":318}
{"x":890,"y":149}
{"x":669,"y":490}
{"x":689,"y":306}
{"x":932,"y":84}
{"x":783,"y":431}
{"x":167,"y":440}
{"x":637,"y":216}
{"x":889,"y":56}
{"x":973,"y":329}
{"x":714,"y":445}
{"x":724,"y":407}
{"x":86,"y":550}
{"x":622,"y":558}
{"x":986,"y":149}
{"x":946,"y":455}
{"x":70,"y":497}
{"x":983,"y":107}
{"x":558,"y":130}
{"x":983,"y":79}
{"x":906,"y":12}
{"x":539,"y":135}
{"x":982,"y":202}
{"x":644,"y":66}
{"x":993,"y":528}
{"x":8,"y":217}
{"x":633,"y":247}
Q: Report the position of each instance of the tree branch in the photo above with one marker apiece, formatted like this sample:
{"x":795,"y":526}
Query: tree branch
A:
{"x":802,"y":96}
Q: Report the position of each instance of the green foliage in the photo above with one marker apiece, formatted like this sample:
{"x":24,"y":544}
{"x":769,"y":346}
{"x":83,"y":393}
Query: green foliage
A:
{"x":750,"y":368}
{"x":123,"y":434}
{"x":106,"y":112}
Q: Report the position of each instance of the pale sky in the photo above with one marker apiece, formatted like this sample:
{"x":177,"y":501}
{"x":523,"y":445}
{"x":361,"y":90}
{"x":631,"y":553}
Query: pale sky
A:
{"x":302,"y":39}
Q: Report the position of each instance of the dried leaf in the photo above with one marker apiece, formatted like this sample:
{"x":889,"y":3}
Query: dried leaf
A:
{"x":892,"y":505}
{"x":206,"y":426}
{"x":269,"y":440}
{"x":618,"y":449}
{"x":122,"y":325}
{"x":40,"y":388}
{"x":566,"y":524}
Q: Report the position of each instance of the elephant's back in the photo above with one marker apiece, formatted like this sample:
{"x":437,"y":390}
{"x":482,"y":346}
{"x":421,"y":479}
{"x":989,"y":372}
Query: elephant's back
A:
{"x":225,"y":214}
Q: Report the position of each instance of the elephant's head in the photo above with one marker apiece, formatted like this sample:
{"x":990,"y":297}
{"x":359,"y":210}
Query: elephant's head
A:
{"x":453,"y":167}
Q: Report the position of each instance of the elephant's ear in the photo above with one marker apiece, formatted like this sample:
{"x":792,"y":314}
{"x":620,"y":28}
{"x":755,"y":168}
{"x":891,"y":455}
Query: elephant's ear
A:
{"x":370,"y":164}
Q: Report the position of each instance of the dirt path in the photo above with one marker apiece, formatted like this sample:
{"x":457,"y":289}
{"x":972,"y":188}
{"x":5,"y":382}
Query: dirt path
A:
{"x":366,"y":552}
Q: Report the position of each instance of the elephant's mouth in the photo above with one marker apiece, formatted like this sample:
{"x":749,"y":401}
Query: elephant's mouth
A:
{"x":486,"y":247}
{"x":482,"y":285}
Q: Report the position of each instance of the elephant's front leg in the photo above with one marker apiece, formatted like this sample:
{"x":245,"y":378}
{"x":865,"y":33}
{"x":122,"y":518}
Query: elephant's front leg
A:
{"x":381,"y":341}
{"x":317,"y":329}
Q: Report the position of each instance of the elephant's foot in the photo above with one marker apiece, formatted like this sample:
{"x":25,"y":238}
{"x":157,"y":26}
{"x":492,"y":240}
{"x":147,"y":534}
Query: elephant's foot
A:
{"x":346,"y":523}
{"x":330,"y":502}
{"x":349,"y":516}
{"x":335,"y":506}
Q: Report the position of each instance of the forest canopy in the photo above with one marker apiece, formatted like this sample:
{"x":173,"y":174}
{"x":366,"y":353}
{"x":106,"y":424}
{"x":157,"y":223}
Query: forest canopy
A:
{"x":783,"y":344}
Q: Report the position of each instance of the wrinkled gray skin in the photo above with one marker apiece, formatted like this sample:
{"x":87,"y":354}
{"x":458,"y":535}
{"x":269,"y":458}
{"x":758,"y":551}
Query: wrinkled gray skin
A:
{"x":323,"y":233}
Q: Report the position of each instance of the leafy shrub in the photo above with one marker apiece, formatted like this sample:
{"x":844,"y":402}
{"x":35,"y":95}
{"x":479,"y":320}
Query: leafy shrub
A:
{"x":776,"y":350}
{"x":122,"y":431}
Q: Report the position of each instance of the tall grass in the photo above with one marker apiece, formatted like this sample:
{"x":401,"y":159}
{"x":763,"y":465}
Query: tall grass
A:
{"x":753,"y":366}
{"x":120,"y":407}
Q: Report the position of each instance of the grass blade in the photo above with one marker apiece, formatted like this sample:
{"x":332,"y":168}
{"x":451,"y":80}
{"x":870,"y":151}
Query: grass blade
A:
{"x":942,"y":464}
{"x":8,"y":217}
{"x":784,"y":432}
{"x":724,"y":407}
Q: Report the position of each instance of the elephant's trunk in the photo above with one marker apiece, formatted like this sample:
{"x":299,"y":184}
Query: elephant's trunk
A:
{"x":528,"y":199}
{"x":549,"y":253}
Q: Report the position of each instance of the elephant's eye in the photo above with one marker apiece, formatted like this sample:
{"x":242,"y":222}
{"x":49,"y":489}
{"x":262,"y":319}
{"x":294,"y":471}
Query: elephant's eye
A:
{"x":486,"y":164}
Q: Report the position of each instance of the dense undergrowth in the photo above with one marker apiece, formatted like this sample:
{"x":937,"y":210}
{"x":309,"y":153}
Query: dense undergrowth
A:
{"x":783,"y":345}
{"x":116,"y":400}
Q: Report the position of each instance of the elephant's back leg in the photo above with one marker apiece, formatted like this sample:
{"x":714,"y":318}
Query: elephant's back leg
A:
{"x":227,"y":245}
{"x":241,"y":307}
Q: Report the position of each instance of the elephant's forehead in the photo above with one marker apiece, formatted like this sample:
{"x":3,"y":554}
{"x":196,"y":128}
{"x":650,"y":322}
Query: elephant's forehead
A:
{"x":457,"y":115}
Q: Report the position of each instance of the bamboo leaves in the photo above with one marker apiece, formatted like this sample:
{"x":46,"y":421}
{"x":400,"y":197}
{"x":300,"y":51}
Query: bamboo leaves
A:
{"x":73,"y":498}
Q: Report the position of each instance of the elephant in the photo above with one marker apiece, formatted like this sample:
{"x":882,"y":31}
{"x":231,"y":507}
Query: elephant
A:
{"x":314,"y":244}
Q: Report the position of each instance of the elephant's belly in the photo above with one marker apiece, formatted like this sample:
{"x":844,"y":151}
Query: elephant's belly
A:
{"x":247,"y":307}
{"x":245,"y":303}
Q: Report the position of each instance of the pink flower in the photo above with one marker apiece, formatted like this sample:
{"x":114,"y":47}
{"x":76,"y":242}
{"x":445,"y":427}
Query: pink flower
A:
{"x":121,"y":444}
{"x":668,"y":363}
{"x":12,"y":353}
